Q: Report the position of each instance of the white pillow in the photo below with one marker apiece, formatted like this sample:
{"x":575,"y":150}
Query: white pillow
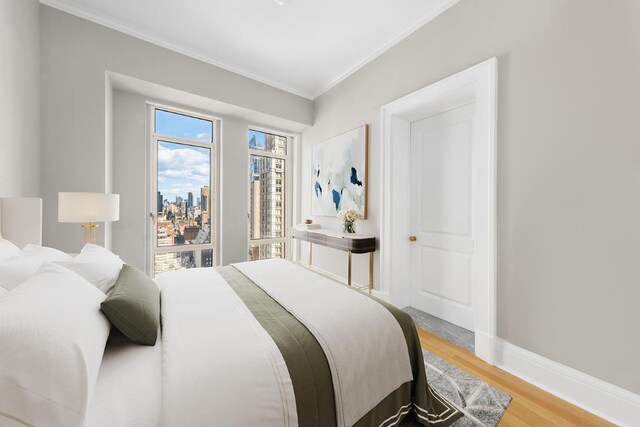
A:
{"x":14,"y":271}
{"x":8,"y":249}
{"x":53,"y":337}
{"x":96,"y":264}
{"x":49,"y":254}
{"x":3,"y":291}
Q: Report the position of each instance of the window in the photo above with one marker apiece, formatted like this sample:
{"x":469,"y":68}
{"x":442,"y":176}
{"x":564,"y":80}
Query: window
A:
{"x":182,"y":126}
{"x":183,"y":191}
{"x":267,"y":195}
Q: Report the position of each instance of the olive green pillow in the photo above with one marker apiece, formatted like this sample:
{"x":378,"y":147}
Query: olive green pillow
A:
{"x":133,"y":306}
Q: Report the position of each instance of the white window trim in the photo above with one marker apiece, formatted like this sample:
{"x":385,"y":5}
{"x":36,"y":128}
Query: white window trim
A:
{"x":214,"y":185}
{"x":288,"y":190}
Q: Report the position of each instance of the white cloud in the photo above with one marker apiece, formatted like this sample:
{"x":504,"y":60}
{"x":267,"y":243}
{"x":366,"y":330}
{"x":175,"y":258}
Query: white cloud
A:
{"x":181,"y":170}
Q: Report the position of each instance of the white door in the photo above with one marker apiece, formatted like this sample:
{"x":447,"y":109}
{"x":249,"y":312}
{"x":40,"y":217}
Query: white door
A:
{"x":442,"y":215}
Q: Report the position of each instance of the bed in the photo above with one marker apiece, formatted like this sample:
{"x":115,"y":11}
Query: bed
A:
{"x":264,"y":343}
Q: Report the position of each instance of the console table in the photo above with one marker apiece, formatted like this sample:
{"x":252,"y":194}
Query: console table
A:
{"x":350,"y":243}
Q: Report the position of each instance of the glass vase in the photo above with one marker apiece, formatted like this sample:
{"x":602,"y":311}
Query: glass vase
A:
{"x":349,"y":226}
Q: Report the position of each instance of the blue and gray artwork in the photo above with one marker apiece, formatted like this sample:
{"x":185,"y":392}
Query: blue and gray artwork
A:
{"x":339,"y":173}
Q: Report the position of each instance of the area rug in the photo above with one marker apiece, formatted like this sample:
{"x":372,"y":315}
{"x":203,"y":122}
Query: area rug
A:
{"x":481,"y":404}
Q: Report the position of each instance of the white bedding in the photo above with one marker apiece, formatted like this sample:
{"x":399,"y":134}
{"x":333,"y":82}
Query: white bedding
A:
{"x":52,"y":339}
{"x":346,"y":323}
{"x":215,"y":364}
{"x":220,"y":366}
{"x":129,"y":387}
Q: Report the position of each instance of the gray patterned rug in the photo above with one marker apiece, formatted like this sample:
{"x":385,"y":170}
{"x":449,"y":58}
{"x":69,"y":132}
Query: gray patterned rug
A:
{"x":481,"y":404}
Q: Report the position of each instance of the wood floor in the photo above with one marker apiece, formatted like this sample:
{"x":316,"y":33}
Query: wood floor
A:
{"x":530,"y":406}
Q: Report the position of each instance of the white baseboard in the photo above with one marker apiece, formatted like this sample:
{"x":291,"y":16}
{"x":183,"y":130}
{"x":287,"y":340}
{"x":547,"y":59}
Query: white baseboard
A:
{"x":484,"y":347}
{"x":605,"y":400}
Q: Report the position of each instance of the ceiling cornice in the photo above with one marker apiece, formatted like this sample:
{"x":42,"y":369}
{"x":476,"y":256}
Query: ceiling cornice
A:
{"x":66,"y":7}
{"x":71,"y":9}
{"x":443,"y":6}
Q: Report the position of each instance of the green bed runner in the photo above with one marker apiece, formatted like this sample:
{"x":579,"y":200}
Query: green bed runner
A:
{"x":311,"y":375}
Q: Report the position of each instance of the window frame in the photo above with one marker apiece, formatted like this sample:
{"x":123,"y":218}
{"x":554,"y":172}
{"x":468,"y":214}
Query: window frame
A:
{"x":288,"y":190}
{"x":214,"y":207}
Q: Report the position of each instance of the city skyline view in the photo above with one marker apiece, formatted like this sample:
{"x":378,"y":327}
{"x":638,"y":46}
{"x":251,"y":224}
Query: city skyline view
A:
{"x":185,"y":196}
{"x":266,"y":193}
{"x":183,"y":190}
{"x":256,"y":140}
{"x":182,"y":169}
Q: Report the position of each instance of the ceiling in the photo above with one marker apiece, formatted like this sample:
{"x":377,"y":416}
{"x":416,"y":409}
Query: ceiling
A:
{"x":304,"y":47}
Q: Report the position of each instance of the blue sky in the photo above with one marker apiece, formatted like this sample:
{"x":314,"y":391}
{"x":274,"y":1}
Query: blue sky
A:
{"x":259,"y":137}
{"x":181,"y":168}
{"x":173,"y":124}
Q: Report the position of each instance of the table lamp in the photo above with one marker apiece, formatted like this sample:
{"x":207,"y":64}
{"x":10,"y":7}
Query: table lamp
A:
{"x":88,"y":208}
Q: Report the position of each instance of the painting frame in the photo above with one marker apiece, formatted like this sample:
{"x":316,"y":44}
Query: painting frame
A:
{"x":354,"y":147}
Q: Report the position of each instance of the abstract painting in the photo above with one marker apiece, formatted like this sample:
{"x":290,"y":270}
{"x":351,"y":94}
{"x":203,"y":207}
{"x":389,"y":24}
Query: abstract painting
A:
{"x":340,"y":173}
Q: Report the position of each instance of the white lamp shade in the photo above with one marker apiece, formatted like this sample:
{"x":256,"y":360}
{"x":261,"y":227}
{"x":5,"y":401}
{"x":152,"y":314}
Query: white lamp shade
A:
{"x":88,"y":207}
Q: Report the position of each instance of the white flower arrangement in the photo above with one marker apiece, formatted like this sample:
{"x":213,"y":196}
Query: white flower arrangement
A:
{"x":349,"y":218}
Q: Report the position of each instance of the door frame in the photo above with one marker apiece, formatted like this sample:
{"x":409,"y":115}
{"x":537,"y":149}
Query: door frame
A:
{"x":476,"y":84}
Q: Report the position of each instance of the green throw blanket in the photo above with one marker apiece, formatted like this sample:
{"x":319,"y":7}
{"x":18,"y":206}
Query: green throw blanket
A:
{"x":310,"y":374}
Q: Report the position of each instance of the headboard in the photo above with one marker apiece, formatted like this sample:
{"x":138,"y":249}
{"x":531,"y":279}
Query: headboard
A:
{"x":21,"y":220}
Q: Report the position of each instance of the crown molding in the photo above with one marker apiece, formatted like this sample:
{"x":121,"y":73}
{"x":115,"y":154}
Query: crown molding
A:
{"x":65,"y":6}
{"x":442,"y":7}
{"x":68,"y":8}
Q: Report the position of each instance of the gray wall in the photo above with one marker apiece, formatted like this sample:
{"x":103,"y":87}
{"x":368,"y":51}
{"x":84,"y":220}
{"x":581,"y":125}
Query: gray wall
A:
{"x":19,"y":98}
{"x":130,"y":179}
{"x":568,"y":198}
{"x":75,"y":56}
{"x":568,"y":174}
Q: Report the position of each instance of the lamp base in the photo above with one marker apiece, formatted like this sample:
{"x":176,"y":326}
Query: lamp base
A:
{"x":89,"y":233}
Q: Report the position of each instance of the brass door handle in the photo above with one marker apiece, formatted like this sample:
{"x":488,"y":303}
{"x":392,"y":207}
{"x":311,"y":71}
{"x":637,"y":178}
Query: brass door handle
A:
{"x":413,"y":238}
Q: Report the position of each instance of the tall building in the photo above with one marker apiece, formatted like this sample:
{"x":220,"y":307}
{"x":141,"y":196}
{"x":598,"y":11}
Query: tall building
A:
{"x":190,"y":200}
{"x":275,"y":143}
{"x":253,"y":143}
{"x":204,"y":196}
{"x":267,"y":205}
{"x":165,"y":261}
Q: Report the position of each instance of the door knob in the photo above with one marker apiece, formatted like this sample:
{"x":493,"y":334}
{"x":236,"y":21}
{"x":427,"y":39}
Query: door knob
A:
{"x":413,"y":238}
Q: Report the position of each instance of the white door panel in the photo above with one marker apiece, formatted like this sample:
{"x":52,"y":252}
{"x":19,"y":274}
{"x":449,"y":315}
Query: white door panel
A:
{"x":446,"y":200}
{"x":446,"y":274}
{"x":442,"y":212}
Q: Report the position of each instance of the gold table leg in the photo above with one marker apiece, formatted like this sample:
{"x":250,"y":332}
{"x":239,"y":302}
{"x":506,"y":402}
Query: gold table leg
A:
{"x":349,"y":273}
{"x":310,"y":253}
{"x":370,"y":272}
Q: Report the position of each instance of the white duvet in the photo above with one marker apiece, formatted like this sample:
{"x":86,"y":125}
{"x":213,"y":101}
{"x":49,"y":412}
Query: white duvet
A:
{"x":216,"y":365}
{"x":363,"y":342}
{"x":220,"y":366}
{"x":129,"y":387}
